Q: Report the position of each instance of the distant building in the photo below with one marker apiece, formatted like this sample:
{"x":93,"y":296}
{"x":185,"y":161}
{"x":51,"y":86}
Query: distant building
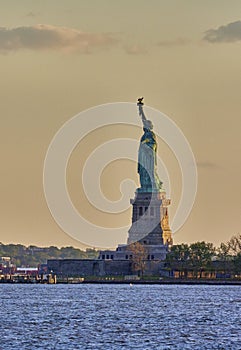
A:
{"x":30,"y":271}
{"x":6,"y":265}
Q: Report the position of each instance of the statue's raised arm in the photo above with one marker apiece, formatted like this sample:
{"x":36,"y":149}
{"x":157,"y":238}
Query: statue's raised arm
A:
{"x":140,"y":104}
{"x":147,"y":124}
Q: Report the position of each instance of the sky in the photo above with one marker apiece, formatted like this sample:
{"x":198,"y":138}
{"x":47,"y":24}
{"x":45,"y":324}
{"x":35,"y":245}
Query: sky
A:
{"x":59,"y":58}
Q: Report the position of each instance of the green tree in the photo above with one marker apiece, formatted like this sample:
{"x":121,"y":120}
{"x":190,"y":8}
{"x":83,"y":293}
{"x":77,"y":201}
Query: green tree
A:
{"x":201,"y":254}
{"x":91,"y":253}
{"x":178,"y":259}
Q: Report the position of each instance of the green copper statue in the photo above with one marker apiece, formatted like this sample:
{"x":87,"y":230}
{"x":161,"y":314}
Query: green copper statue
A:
{"x":147,"y":164}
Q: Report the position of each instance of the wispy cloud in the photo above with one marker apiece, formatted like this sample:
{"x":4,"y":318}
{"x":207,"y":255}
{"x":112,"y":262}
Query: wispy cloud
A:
{"x":48,"y":37}
{"x":175,"y":42}
{"x":207,"y":165}
{"x":230,"y":32}
{"x":135,"y":50}
{"x":31,"y":14}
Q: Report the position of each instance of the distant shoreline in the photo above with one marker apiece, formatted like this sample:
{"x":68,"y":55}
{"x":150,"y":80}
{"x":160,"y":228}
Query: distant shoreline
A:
{"x":130,"y":282}
{"x":167,"y":282}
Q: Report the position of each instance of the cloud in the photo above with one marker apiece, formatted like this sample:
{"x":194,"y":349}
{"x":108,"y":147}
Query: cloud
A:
{"x":207,"y":165}
{"x":135,"y":50}
{"x":48,"y":37}
{"x":175,"y":42}
{"x":227,"y":33}
{"x":32,"y":14}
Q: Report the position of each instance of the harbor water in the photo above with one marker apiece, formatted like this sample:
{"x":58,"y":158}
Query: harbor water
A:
{"x":122,"y":316}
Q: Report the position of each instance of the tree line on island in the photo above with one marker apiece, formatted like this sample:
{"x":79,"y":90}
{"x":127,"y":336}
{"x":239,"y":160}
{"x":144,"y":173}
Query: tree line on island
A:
{"x":196,"y":260}
{"x":202,"y":259}
{"x":33,"y":256}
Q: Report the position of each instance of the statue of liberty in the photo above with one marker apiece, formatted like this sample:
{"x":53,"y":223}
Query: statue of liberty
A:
{"x":147,"y":164}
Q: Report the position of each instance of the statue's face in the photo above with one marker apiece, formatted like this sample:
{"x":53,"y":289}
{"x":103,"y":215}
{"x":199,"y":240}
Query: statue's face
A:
{"x":148,"y":125}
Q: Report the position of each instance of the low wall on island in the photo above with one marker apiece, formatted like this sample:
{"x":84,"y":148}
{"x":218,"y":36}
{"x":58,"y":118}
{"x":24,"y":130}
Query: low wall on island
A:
{"x":88,"y":267}
{"x":101,"y":268}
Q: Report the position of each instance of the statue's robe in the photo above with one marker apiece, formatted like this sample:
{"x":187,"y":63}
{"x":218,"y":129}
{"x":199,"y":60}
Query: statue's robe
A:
{"x":147,"y":162}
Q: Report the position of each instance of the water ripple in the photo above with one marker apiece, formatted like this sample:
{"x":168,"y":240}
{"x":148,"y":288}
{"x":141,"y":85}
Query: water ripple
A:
{"x":66,"y":317}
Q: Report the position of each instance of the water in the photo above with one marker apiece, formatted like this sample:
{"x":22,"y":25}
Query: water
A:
{"x":120,"y":317}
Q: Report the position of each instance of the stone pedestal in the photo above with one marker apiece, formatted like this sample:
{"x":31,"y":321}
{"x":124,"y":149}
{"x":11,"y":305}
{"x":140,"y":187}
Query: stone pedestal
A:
{"x":146,"y":219}
{"x":150,"y":221}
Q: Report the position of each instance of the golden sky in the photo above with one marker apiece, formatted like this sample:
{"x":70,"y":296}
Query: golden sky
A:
{"x":58,"y":58}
